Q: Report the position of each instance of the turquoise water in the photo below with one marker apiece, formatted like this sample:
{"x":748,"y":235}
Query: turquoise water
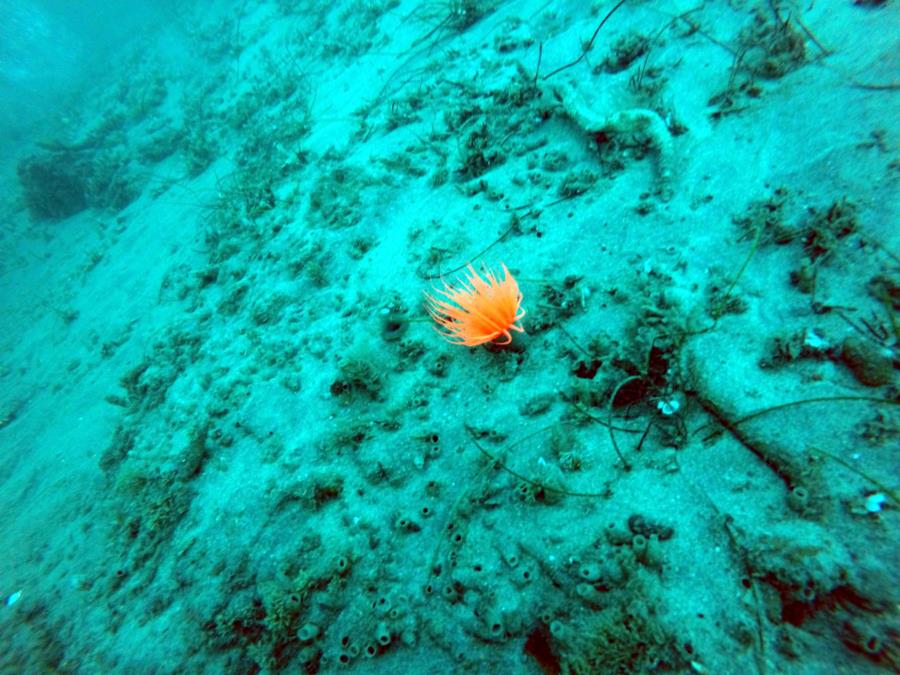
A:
{"x":661,"y":437}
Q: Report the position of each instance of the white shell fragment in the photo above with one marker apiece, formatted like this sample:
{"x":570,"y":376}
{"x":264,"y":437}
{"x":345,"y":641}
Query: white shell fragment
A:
{"x":874,"y":502}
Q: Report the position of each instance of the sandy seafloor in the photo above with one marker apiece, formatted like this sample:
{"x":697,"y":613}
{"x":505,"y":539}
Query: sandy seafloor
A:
{"x":232,"y":442}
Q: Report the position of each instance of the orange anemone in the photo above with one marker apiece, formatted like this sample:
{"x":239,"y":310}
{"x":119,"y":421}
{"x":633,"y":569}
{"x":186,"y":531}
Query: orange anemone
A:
{"x":478,"y":310}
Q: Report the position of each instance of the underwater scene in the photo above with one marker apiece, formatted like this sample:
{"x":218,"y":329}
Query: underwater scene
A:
{"x":450,"y":336}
